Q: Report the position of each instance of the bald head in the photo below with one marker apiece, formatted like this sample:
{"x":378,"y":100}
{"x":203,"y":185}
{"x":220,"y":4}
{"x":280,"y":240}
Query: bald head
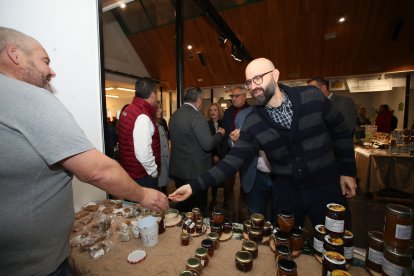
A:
{"x":10,"y":36}
{"x":258,"y":66}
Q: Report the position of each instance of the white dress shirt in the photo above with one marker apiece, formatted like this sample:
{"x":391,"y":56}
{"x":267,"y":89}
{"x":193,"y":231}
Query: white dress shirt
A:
{"x":142,"y":136}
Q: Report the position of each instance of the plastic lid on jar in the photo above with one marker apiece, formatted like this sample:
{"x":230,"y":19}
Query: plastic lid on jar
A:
{"x":399,"y":210}
{"x":320,"y":228}
{"x":335,"y":207}
{"x":334,"y":240}
{"x":334,"y":257}
{"x":340,"y":272}
{"x":348,"y":234}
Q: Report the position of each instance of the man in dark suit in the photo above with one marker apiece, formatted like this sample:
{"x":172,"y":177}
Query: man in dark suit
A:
{"x":191,"y":146}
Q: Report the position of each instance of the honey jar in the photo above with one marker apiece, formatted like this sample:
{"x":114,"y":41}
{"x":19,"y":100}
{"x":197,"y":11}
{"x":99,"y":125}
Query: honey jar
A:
{"x":189,"y":224}
{"x":202,"y":254}
{"x":244,"y":261}
{"x":215,"y":238}
{"x":251,"y":247}
{"x":246,"y":226}
{"x":348,"y":246}
{"x":227,"y":226}
{"x":296,"y":238}
{"x":318,"y":239}
{"x":282,"y":238}
{"x":196,"y":214}
{"x":208,"y":244}
{"x":375,"y":256}
{"x":285,"y":220}
{"x":256,"y":234}
{"x":340,"y":272}
{"x":282,"y":251}
{"x":267,"y":229}
{"x":397,"y":261}
{"x":199,"y":227}
{"x":398,"y":225}
{"x":185,"y":239}
{"x":332,"y":261}
{"x":194,"y":265}
{"x":257,"y":220}
{"x":161,"y":223}
{"x":333,"y":244}
{"x":216,"y":228}
{"x":217,"y":216}
{"x":286,"y":267}
{"x":187,"y":273}
{"x":335,"y":219}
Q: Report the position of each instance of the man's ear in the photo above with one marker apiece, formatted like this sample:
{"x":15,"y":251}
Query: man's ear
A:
{"x":275,"y":75}
{"x":13,"y":52}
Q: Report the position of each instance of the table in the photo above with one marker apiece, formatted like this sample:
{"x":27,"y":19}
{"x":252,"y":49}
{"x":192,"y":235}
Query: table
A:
{"x":168,"y":257}
{"x":377,"y":170}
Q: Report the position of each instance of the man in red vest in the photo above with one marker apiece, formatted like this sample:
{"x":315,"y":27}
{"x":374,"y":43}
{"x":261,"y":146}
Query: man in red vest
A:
{"x":139,"y":140}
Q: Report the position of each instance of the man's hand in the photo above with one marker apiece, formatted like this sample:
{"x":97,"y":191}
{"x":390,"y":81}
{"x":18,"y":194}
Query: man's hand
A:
{"x":234,"y":135}
{"x":221,"y":130}
{"x":154,"y":200}
{"x":181,"y":193}
{"x":348,"y":186}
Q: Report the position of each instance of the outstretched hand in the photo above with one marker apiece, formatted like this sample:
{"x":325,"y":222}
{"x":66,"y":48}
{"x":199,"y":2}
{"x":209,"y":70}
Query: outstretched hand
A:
{"x":181,"y":193}
{"x":154,"y":200}
{"x":348,"y":186}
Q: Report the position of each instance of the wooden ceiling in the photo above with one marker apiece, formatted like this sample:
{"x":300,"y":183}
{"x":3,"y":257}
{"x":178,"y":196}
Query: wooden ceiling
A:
{"x":291,"y":34}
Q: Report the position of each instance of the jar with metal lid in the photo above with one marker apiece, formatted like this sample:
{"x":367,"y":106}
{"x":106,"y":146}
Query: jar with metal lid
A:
{"x":296,"y":238}
{"x":217,"y":216}
{"x":335,"y":219}
{"x":398,"y":225}
{"x":189,"y":216}
{"x":187,"y":273}
{"x":189,"y":224}
{"x":375,"y":256}
{"x":246,"y":226}
{"x":199,"y":227}
{"x":196,"y":214}
{"x":285,"y":220}
{"x":340,"y":272}
{"x":185,"y":239}
{"x":282,"y":251}
{"x":256,"y":234}
{"x":397,"y":261}
{"x":202,"y":254}
{"x":215,"y":238}
{"x":348,"y":246}
{"x":332,"y":261}
{"x":286,"y":267}
{"x":282,"y":238}
{"x":318,"y":239}
{"x":227,"y":226}
{"x":208,"y":244}
{"x":333,"y":244}
{"x":251,"y":247}
{"x":267,"y":229}
{"x":194,"y":265}
{"x":216,"y":228}
{"x":161,"y":223}
{"x":257,"y":220}
{"x":244,"y":261}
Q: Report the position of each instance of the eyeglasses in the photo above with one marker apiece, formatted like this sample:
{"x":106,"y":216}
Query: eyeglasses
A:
{"x":257,"y":80}
{"x":236,"y":96}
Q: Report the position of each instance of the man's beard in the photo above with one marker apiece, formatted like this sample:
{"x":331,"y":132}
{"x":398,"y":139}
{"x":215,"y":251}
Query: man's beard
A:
{"x":33,"y":76}
{"x":266,"y":95}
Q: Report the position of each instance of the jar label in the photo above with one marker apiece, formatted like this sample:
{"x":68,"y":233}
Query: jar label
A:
{"x":202,"y":262}
{"x":391,"y":269}
{"x":349,"y":252}
{"x":317,"y":245}
{"x":375,"y":256}
{"x":403,"y":232}
{"x":334,"y":225}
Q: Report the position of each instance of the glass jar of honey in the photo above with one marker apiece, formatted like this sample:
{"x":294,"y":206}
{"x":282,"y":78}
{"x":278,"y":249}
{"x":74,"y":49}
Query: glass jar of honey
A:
{"x":217,"y":216}
{"x":256,"y":234}
{"x":340,"y":272}
{"x":397,"y":261}
{"x":227,"y":226}
{"x":318,"y":239}
{"x":348,"y":246}
{"x":246,"y":226}
{"x":332,"y":261}
{"x":208,"y":244}
{"x":267,"y":229}
{"x":215,"y":238}
{"x":196,"y":214}
{"x":251,"y":247}
{"x":286,"y":267}
{"x":282,"y":251}
{"x":285,"y":220}
{"x":257,"y":220}
{"x":194,"y":265}
{"x":216,"y":228}
{"x":334,"y":244}
{"x":398,"y":225}
{"x":296,"y":238}
{"x":199,"y":227}
{"x":161,"y":223}
{"x":244,"y":261}
{"x":282,"y":238}
{"x":187,"y":273}
{"x":202,"y":254}
{"x":375,"y":252}
{"x":185,"y":239}
{"x":335,"y":219}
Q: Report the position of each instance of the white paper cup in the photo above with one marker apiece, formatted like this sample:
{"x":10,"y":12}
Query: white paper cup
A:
{"x":148,"y":230}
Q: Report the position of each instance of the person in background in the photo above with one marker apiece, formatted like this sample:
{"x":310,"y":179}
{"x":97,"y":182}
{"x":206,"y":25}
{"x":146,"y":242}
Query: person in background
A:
{"x":383,"y":120}
{"x":42,"y":149}
{"x":345,"y":105}
{"x":163,"y":178}
{"x":362,"y":118}
{"x":214,"y":113}
{"x":191,"y":146}
{"x":394,"y":121}
{"x":306,"y":140}
{"x":111,"y":138}
{"x":139,"y":140}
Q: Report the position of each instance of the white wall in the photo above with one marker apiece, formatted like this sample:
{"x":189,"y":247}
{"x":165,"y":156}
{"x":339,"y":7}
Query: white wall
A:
{"x":69,"y":32}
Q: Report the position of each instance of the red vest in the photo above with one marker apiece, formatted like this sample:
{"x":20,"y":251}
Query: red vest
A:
{"x":126,"y":143}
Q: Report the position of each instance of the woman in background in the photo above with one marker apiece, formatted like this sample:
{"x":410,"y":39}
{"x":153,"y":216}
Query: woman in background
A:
{"x":163,"y":178}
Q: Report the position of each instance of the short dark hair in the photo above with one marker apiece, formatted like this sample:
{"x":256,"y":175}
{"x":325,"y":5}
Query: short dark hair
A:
{"x":192,"y":94}
{"x":320,"y":81}
{"x":144,"y":87}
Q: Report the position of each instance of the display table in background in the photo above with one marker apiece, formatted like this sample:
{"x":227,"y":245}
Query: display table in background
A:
{"x":168,"y":257}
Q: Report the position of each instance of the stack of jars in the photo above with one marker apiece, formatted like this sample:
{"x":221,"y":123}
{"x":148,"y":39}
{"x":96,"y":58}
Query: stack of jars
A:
{"x":256,"y":229}
{"x":332,"y":244}
{"x":390,"y":253}
{"x":191,"y":224}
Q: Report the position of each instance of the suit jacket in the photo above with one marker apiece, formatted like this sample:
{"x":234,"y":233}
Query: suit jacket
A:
{"x":191,"y":143}
{"x":347,"y":108}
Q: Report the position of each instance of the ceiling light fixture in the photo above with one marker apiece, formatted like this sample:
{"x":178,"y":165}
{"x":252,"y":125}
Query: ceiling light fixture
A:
{"x":123,"y":5}
{"x":189,"y":47}
{"x":108,"y":88}
{"x":235,"y":53}
{"x":341,"y":19}
{"x":112,"y":96}
{"x":126,"y":89}
{"x":223,"y":38}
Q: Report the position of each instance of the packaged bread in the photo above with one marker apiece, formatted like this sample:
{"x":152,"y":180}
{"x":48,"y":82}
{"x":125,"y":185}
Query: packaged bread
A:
{"x":81,"y":214}
{"x":91,"y":207}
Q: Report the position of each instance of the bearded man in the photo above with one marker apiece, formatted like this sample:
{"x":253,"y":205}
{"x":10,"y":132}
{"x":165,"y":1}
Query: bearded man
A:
{"x":305,"y":138}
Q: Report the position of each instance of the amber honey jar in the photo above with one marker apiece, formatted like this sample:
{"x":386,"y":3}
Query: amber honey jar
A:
{"x":189,"y":224}
{"x":332,"y":261}
{"x":216,"y":228}
{"x":282,"y":251}
{"x":244,"y":261}
{"x":286,"y":267}
{"x":267,"y":229}
{"x":335,"y":219}
{"x":194,"y":265}
{"x":209,"y":245}
{"x":333,"y":244}
{"x":282,"y":238}
{"x":217,"y":216}
{"x":318,"y":239}
{"x":161,"y":223}
{"x":185,"y":239}
{"x":375,"y":252}
{"x":251,"y":247}
{"x":246,"y":226}
{"x":202,"y":254}
{"x":285,"y":220}
{"x":398,"y":225}
{"x":196,"y":214}
{"x":296,"y":238}
{"x":227,"y":226}
{"x":215,"y":238}
{"x":189,"y":216}
{"x":199,"y":227}
{"x":397,"y":261}
{"x":348,"y":246}
{"x":257,"y":220}
{"x":256,"y":234}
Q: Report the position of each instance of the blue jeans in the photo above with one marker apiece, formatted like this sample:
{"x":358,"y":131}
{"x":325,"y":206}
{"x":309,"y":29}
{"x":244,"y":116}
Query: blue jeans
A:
{"x":259,"y":199}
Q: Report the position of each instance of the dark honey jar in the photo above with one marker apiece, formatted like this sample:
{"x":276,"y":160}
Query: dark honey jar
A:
{"x":335,"y":219}
{"x":267,"y":229}
{"x":217,"y":216}
{"x":185,"y":239}
{"x":348,"y":246}
{"x":194,"y":265}
{"x":246,"y":226}
{"x":216,"y":228}
{"x":318,"y":239}
{"x":332,"y":261}
{"x":227,"y":226}
{"x":209,"y":245}
{"x":257,"y":220}
{"x":196,"y":214}
{"x":285,"y":220}
{"x":398,"y":225}
{"x":251,"y":247}
{"x":334,"y":244}
{"x":296,"y":238}
{"x":202,"y":254}
{"x":244,"y":261}
{"x":256,"y":234}
{"x":397,"y":261}
{"x":215,"y":238}
{"x":282,"y":251}
{"x":375,"y":252}
{"x":199,"y":227}
{"x":282,"y":238}
{"x":286,"y":267}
